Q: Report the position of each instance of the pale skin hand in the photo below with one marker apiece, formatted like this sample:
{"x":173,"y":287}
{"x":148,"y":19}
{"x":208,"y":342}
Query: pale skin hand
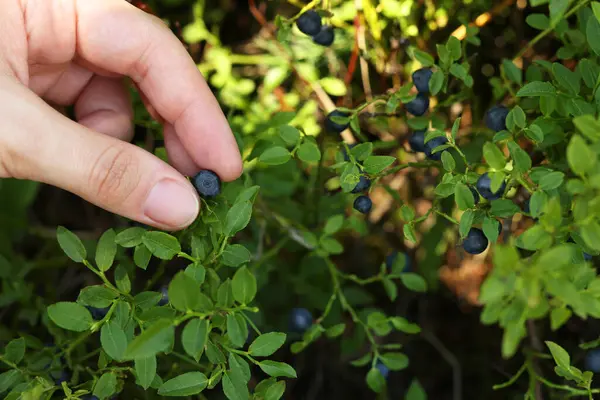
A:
{"x":77,"y":52}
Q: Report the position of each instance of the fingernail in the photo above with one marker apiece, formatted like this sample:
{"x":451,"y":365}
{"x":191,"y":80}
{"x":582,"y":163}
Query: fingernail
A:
{"x":172,"y":203}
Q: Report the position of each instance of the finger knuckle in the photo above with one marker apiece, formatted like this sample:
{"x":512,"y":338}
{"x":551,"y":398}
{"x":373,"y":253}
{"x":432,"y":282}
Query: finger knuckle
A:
{"x":115,"y":175}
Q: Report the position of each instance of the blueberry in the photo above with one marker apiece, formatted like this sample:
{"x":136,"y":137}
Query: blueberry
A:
{"x":592,"y":360}
{"x":164,"y":300}
{"x":495,"y":118}
{"x":207,"y":183}
{"x":391,"y":259}
{"x":309,"y":23}
{"x":421,"y":79}
{"x":475,"y":242}
{"x":363,"y":184}
{"x":385,"y":371}
{"x":97,"y":313}
{"x":484,"y":187}
{"x":363,"y":204}
{"x":432,"y":144}
{"x":475,"y":194}
{"x":300,"y":320}
{"x":332,"y":126}
{"x":417,"y":141}
{"x":325,"y":37}
{"x":418,"y":106}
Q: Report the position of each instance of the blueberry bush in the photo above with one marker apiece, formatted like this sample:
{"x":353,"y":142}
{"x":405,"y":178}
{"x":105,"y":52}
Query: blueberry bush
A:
{"x":417,"y":218}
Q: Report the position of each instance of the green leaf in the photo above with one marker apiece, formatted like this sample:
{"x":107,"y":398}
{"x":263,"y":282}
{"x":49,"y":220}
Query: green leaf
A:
{"x":490,"y":229}
{"x":277,"y":369}
{"x":97,"y":296}
{"x":454,"y":48}
{"x":122,"y":279}
{"x":504,"y":208}
{"x":239,"y":367}
{"x":184,"y":292}
{"x":534,"y":238}
{"x":276,"y":391}
{"x":333,"y":224}
{"x":106,"y":250}
{"x":275,"y":156}
{"x":376,"y":164}
{"x":15,"y":351}
{"x":106,"y":386}
{"x":569,"y":80}
{"x":552,"y":180}
{"x":466,"y":221}
{"x":415,"y":391}
{"x":248,"y":194}
{"x":155,"y":339}
{"x":538,"y":21}
{"x":187,"y":384}
{"x":289,"y":134}
{"x":589,"y":126}
{"x":146,"y":300}
{"x":142,"y":256}
{"x":309,"y":152}
{"x":592,"y":32}
{"x":70,"y":316}
{"x":336,"y":330}
{"x":197,"y":272}
{"x":244,"y":286}
{"x":520,"y":157}
{"x":194,"y":337}
{"x":463,"y":196}
{"x":145,"y":370}
{"x":362,"y":151}
{"x":8,"y":379}
{"x":333,"y":86}
{"x":267,"y":344}
{"x":580,"y":157}
{"x":70,"y":244}
{"x":558,"y":8}
{"x":591,"y":235}
{"x":161,"y":244}
{"x":436,"y":82}
{"x":402,"y":325}
{"x":424,"y":58}
{"x":395,"y":361}
{"x":236,"y":332}
{"x":409,"y":233}
{"x":130,"y":237}
{"x":413,"y":282}
{"x":493,"y":156}
{"x":235,"y":255}
{"x":596,"y":9}
{"x":448,"y":161}
{"x":234,"y":388}
{"x":238,"y":217}
{"x":536,"y":89}
{"x":561,"y":357}
{"x":537,"y":203}
{"x":375,"y":380}
{"x":113,"y":339}
{"x":512,"y":72}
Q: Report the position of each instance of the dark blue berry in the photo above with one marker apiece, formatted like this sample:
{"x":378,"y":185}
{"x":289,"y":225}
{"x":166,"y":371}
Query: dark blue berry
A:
{"x":325,"y":37}
{"x":495,"y":118}
{"x":363,"y":204}
{"x":417,"y":141}
{"x":300,"y":320}
{"x":97,"y":313}
{"x":475,"y":194}
{"x":207,"y":183}
{"x":421,"y":79}
{"x":475,"y":242}
{"x":484,"y":187}
{"x":363,"y":184}
{"x":391,"y":259}
{"x":164,"y":299}
{"x":418,"y":106}
{"x":309,"y":23}
{"x":332,"y":126}
{"x":431,"y":146}
{"x":385,"y":371}
{"x":592,"y":360}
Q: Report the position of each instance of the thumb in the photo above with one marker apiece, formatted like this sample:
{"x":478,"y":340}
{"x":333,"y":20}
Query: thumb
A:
{"x":38,"y":143}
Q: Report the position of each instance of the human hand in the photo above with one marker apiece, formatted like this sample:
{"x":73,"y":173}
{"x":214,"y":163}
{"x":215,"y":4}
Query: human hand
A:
{"x":77,"y":52}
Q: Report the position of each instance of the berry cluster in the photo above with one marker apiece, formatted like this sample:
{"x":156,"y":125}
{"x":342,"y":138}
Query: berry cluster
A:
{"x":310,"y":24}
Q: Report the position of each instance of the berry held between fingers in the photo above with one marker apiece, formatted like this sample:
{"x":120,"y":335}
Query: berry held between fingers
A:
{"x":363,"y":204}
{"x":484,"y":187}
{"x":325,"y":37}
{"x":207,"y":183}
{"x":431,"y":146}
{"x":363,"y":184}
{"x":417,"y":141}
{"x":421,"y":79}
{"x":300,"y":320}
{"x":333,"y":126}
{"x":418,"y":106}
{"x":309,"y":23}
{"x":495,"y":118}
{"x":475,"y":242}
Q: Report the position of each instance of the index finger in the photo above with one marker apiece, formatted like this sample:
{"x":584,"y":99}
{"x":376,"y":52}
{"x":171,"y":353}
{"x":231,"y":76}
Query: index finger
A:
{"x":115,"y":36}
